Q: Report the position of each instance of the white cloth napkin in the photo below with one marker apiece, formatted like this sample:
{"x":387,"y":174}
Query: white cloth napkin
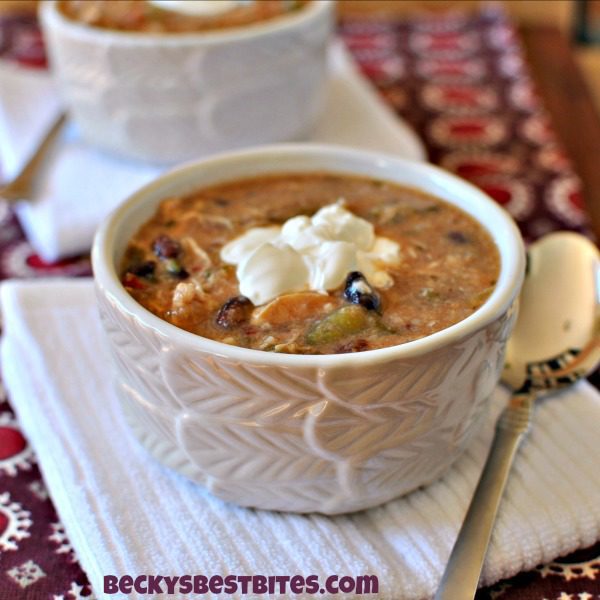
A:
{"x":126,"y":514}
{"x":82,"y":184}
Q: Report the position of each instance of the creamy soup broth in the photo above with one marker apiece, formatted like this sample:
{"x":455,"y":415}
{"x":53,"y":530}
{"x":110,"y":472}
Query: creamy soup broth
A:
{"x":448,"y":266}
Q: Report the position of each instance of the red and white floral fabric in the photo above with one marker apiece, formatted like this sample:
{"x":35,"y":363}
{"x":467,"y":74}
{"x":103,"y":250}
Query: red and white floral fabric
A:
{"x":462,"y":83}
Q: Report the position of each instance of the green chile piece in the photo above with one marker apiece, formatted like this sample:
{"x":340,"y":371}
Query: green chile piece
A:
{"x":338,"y":325}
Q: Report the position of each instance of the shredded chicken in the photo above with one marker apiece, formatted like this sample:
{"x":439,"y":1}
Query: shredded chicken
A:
{"x":185,"y":292}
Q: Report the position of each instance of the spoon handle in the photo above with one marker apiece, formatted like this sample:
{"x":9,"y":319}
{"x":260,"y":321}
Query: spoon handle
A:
{"x":466,"y":560}
{"x":22,"y":186}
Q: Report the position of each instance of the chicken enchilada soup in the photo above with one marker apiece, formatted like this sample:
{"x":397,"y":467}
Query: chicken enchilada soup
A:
{"x":310,"y":263}
{"x":176,"y":16}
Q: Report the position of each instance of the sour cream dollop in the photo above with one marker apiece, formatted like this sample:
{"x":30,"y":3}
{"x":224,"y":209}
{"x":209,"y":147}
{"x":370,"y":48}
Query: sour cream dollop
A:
{"x":198,"y":8}
{"x":309,"y":253}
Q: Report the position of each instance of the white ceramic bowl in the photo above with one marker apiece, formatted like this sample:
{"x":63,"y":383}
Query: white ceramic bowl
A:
{"x":332,"y":433}
{"x":172,"y":97}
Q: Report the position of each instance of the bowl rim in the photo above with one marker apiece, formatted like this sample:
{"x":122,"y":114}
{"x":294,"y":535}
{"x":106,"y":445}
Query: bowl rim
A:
{"x":512,"y":263}
{"x":51,"y":16}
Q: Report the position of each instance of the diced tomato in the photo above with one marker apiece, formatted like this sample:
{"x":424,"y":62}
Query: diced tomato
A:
{"x":133,"y":281}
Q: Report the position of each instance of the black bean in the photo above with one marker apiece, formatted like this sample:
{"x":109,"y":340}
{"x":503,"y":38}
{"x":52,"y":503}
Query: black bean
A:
{"x":358,"y":291}
{"x":166,"y":247}
{"x":234,"y":312}
{"x":458,"y":237}
{"x":144,"y":269}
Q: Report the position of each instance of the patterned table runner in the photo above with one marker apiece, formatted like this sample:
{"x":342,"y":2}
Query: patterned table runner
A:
{"x":461,"y":81}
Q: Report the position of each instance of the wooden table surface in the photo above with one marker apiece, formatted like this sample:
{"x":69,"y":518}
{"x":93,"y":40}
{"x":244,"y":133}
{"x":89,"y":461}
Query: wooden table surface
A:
{"x":571,"y":106}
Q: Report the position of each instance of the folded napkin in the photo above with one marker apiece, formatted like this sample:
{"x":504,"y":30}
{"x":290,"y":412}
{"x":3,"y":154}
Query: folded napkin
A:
{"x":82,"y":184}
{"x":126,"y":514}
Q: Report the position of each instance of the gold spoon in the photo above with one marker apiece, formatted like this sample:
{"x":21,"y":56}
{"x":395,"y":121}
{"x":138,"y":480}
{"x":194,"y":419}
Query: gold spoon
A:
{"x":555,"y":343}
{"x":22,"y":187}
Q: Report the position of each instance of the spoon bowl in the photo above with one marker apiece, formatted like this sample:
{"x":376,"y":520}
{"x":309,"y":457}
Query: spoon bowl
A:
{"x":558,"y":309}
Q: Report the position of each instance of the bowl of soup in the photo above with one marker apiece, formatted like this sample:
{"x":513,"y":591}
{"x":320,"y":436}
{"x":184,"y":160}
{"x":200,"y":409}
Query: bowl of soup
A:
{"x":307,"y":328}
{"x":169,"y":81}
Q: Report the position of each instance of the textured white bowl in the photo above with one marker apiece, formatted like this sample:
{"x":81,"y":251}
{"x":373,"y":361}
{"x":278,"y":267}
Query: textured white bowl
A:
{"x":172,"y":97}
{"x":331,"y":433}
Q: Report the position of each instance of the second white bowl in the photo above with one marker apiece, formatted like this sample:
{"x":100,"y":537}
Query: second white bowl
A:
{"x":172,"y":97}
